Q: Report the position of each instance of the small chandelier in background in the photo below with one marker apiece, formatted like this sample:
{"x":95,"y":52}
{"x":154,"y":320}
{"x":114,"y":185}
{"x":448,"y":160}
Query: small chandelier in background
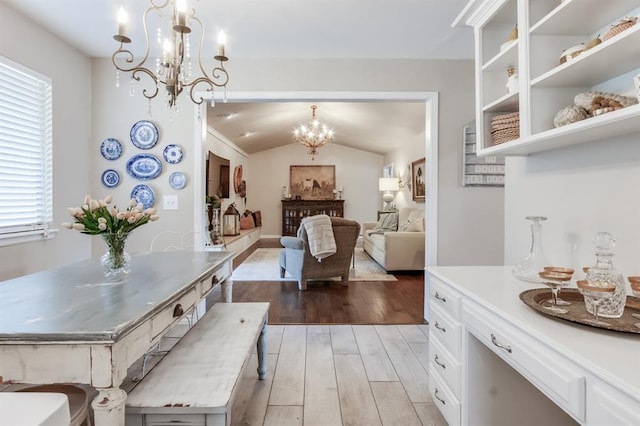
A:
{"x":174,"y":68}
{"x":313,"y":135}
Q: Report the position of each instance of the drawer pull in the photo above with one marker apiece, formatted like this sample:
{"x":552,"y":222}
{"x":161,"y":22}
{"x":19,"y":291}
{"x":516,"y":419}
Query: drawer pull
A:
{"x":442,"y":298}
{"x":178,"y":311}
{"x":494,"y":340}
{"x":437,"y":361}
{"x":439,"y":327}
{"x":435,"y":394}
{"x":215,"y":280}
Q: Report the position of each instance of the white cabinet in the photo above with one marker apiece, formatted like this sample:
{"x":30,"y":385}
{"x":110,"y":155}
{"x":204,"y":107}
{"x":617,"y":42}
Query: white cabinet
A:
{"x":545,"y":29}
{"x":494,"y":360}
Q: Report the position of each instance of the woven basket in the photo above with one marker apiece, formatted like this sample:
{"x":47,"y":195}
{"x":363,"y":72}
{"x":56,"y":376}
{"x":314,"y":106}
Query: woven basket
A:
{"x":622,"y":25}
{"x":502,"y":136}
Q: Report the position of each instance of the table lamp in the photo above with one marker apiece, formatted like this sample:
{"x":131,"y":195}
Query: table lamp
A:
{"x":387,"y":186}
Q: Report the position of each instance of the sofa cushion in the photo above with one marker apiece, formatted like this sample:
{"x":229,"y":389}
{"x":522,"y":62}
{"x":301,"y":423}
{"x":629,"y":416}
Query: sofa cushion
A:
{"x":387,"y":222}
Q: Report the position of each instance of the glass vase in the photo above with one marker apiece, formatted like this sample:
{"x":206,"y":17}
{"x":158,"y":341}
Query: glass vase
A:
{"x":116,"y":260}
{"x":604,"y":274}
{"x":529,"y":268}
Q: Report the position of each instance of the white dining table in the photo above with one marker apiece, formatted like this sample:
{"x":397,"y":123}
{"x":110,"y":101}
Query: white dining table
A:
{"x":72,"y":325}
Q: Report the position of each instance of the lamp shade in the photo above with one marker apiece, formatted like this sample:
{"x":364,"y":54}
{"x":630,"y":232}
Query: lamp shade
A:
{"x":388,"y":184}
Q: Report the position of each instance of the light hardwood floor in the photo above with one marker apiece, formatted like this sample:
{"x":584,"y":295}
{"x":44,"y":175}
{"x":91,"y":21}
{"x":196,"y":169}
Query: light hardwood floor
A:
{"x":347,"y":375}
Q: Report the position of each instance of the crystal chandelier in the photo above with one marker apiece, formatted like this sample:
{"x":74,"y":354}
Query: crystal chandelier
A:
{"x":313,"y":135}
{"x":173,"y":66}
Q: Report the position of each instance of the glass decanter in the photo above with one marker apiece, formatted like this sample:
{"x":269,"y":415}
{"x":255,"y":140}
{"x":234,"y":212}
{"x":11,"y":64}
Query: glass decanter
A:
{"x":604,"y":274}
{"x":529,"y":268}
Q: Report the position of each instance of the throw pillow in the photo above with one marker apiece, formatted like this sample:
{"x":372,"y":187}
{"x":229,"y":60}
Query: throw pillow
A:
{"x":246,"y":222}
{"x":411,"y":225}
{"x":387,"y":222}
{"x":257,"y":217}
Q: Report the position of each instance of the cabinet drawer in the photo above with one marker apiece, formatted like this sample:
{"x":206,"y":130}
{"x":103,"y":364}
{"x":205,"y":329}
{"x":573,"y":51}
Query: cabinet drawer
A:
{"x":555,"y":376}
{"x":168,"y":315}
{"x":446,"y":330}
{"x":443,"y":364}
{"x":610,"y":406}
{"x":444,"y":399}
{"x":211,"y":281}
{"x":443,"y":296}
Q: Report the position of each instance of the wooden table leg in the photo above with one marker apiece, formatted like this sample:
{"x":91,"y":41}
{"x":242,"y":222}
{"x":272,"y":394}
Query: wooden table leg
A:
{"x":262,"y":352}
{"x":227,"y":291}
{"x":108,"y":407}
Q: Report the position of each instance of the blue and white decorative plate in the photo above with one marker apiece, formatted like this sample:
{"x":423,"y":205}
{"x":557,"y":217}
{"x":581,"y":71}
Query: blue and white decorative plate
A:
{"x":172,"y":154}
{"x":110,"y":178}
{"x":143,"y":194}
{"x":177,"y":180}
{"x":144,"y":166}
{"x":111,"y":149}
{"x":144,"y":134}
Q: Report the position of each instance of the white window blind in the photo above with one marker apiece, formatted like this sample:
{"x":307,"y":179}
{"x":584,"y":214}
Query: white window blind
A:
{"x":25,"y":152}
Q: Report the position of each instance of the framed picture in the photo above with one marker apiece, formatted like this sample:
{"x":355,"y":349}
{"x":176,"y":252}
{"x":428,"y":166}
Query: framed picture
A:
{"x":387,"y":171}
{"x":312,"y":182}
{"x":418,"y":180}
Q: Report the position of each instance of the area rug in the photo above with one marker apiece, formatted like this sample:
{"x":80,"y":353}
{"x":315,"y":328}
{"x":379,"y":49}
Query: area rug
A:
{"x":263,"y":265}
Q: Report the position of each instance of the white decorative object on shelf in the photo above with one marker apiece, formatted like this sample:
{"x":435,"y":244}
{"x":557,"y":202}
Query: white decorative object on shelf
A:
{"x":636,"y":82}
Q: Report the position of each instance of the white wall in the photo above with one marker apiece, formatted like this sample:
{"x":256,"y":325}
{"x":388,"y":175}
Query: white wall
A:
{"x":582,"y":190}
{"x":357,"y":171}
{"x":25,"y":42}
{"x":220,"y":145}
{"x":92,"y":110}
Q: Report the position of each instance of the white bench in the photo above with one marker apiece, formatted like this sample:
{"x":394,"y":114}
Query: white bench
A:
{"x":196,"y":381}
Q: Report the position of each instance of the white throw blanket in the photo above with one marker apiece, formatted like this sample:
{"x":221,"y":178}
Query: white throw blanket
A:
{"x":322,"y":244}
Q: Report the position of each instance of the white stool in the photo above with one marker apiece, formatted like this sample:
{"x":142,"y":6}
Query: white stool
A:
{"x":27,"y":409}
{"x":78,"y":400}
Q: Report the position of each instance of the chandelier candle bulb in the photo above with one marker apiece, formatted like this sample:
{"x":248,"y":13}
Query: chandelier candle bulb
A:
{"x":222,"y":40}
{"x":122,"y":21}
{"x":181,"y":9}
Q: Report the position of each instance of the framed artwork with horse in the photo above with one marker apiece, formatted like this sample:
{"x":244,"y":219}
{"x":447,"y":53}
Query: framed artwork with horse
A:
{"x":312,"y":182}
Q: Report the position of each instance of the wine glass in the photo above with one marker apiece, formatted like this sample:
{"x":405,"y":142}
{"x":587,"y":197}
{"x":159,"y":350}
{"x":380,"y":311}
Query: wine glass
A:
{"x":635,"y":288}
{"x":597,"y":294}
{"x":555,"y":280}
{"x":560,"y":270}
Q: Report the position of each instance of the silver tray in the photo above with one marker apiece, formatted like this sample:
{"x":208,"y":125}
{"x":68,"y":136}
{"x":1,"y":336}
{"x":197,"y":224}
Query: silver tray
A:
{"x":577,"y":312}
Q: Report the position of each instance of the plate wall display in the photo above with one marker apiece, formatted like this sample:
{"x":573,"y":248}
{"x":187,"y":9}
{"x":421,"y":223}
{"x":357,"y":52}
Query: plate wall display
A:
{"x":144,"y":195}
{"x":177,"y":180}
{"x":172,"y":154}
{"x":144,"y":166}
{"x":111,"y":149}
{"x":144,"y":134}
{"x":110,"y":178}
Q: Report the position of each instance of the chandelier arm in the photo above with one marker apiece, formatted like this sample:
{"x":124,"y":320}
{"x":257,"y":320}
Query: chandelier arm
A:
{"x":153,"y":77}
{"x":196,"y":82}
{"x":195,"y":18}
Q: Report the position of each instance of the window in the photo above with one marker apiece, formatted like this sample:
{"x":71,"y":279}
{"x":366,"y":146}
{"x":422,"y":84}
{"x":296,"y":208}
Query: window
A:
{"x":25,"y":154}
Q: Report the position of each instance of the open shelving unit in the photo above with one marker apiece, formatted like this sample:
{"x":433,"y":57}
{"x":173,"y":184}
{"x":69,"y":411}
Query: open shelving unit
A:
{"x":545,"y":29}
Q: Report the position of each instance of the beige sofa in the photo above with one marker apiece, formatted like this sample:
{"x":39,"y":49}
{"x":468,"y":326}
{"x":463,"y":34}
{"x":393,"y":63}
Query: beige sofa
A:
{"x":397,"y":250}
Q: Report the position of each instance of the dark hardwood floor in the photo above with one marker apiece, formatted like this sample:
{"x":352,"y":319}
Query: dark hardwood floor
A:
{"x":362,"y":302}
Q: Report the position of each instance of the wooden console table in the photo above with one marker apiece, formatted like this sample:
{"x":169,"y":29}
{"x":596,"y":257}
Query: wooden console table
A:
{"x":294,"y":210}
{"x":494,"y":360}
{"x":70,"y":325}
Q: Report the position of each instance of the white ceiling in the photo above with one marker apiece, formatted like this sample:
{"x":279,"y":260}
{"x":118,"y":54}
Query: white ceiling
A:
{"x":386,"y":29}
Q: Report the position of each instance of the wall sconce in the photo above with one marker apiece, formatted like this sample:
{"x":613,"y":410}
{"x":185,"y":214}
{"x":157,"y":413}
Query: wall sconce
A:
{"x":387,"y":186}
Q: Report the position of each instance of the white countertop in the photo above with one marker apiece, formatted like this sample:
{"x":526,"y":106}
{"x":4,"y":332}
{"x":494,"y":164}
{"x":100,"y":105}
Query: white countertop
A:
{"x":612,"y":356}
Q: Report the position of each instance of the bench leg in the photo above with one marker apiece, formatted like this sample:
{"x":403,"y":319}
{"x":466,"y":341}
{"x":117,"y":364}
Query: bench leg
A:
{"x":262,"y":352}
